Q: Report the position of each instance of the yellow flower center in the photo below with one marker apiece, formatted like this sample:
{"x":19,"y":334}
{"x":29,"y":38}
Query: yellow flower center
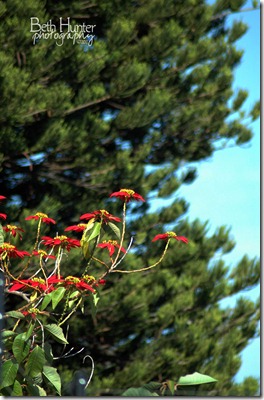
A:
{"x":89,"y":278}
{"x":42,"y":253}
{"x":104,"y":212}
{"x":129,"y":191}
{"x":33,"y":310}
{"x":7,"y":246}
{"x":72,"y":279}
{"x":41,"y":215}
{"x":62,"y":237}
{"x":82,"y":225}
{"x":113,"y":242}
{"x":10,"y":227}
{"x":171,"y":234}
{"x":39,"y":280}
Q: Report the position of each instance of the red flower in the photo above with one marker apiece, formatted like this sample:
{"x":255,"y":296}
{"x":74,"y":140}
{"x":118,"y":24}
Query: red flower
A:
{"x":8,"y":250}
{"x":77,"y":282}
{"x":42,"y":217}
{"x":63,"y":241}
{"x":32,"y":312}
{"x":76,"y":228}
{"x":13,"y":229}
{"x":3,"y":216}
{"x":42,"y":253}
{"x":91,"y":280}
{"x":101,"y":282}
{"x":170,"y":235}
{"x":127,"y":195}
{"x":39,"y":283}
{"x":2,"y":198}
{"x":100,"y":215}
{"x":111,"y":245}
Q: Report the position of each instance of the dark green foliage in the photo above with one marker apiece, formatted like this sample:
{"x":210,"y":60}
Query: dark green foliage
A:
{"x":154,"y":90}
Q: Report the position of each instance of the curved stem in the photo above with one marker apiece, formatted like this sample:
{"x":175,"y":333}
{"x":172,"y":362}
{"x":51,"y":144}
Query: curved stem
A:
{"x":92,"y":371}
{"x":146,"y":268}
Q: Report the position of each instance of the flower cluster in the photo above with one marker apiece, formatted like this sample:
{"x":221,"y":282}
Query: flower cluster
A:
{"x":127,"y":195}
{"x":51,"y":296}
{"x":170,"y":235}
{"x":10,"y":251}
{"x":13,"y":230}
{"x":111,"y":245}
{"x":101,"y":216}
{"x":3,"y":216}
{"x":61,"y":241}
{"x":57,"y":245}
{"x":42,"y":217}
{"x":35,"y":283}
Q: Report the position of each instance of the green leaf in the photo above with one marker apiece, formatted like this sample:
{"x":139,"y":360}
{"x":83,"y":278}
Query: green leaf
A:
{"x":21,"y":346}
{"x":195,"y":379}
{"x":138,"y":392}
{"x":17,"y":389}
{"x":171,"y":386}
{"x":48,"y":352}
{"x":152,"y":386}
{"x":89,"y":226}
{"x":57,"y":296}
{"x":85,"y":239}
{"x":38,"y":379}
{"x":36,"y":390}
{"x":93,"y":299}
{"x":95,"y":231}
{"x":15,"y":314}
{"x":82,"y":306}
{"x":1,"y":235}
{"x":7,"y":334}
{"x":53,"y":377}
{"x":56,"y":332}
{"x":8,"y":373}
{"x":46,"y":301}
{"x":115,"y":229}
{"x":35,"y":362}
{"x":85,"y":249}
{"x":29,"y":331}
{"x":75,"y":298}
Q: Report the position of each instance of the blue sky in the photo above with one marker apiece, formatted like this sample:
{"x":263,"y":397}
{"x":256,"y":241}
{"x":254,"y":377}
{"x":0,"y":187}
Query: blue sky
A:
{"x":227,"y":190}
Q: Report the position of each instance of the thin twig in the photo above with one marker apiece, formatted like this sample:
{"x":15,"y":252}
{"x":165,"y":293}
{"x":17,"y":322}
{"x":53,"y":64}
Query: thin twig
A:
{"x":23,"y":295}
{"x":91,"y":374}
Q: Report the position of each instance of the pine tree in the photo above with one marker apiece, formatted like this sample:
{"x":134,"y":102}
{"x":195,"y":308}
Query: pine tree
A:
{"x":152,"y":93}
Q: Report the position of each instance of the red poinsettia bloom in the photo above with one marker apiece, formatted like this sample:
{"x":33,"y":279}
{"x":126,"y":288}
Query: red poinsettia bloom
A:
{"x":42,"y":254}
{"x":62,"y":241}
{"x":100,"y":215}
{"x":9,"y":250}
{"x":170,"y":235}
{"x":14,"y":230}
{"x":32,"y":312}
{"x":78,"y":283}
{"x":38,"y":283}
{"x":91,"y":280}
{"x":111,"y":245}
{"x":3,"y":216}
{"x":127,"y":195}
{"x":76,"y":228}
{"x":42,"y":217}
